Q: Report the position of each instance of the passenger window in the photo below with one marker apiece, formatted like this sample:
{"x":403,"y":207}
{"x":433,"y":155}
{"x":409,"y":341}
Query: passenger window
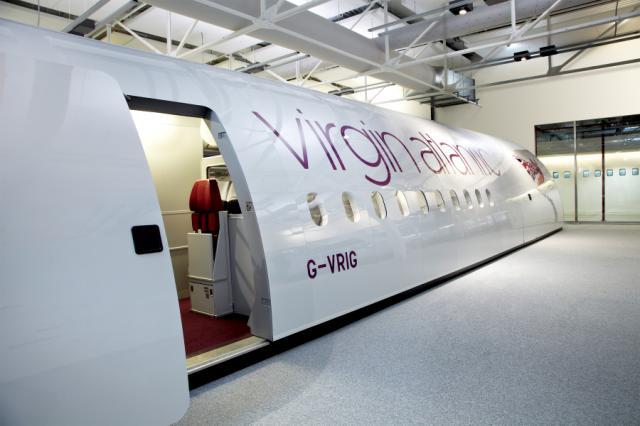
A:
{"x":422,"y":201}
{"x":454,"y":199}
{"x":488,"y":194}
{"x":479,"y":198}
{"x":316,"y":209}
{"x":350,"y":207}
{"x":440,"y":201}
{"x":378,"y":205}
{"x":467,"y":199}
{"x":402,"y":203}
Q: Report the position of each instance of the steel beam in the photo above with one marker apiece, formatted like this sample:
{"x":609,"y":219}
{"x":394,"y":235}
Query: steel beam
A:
{"x":185,"y":37}
{"x":137,"y":37}
{"x":531,"y":37}
{"x":119,"y":14}
{"x":81,"y":18}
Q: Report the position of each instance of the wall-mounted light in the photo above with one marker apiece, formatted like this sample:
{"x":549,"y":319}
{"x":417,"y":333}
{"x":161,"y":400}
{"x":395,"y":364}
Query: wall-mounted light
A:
{"x":548,"y":50}
{"x":523,"y":55}
{"x":460,"y":7}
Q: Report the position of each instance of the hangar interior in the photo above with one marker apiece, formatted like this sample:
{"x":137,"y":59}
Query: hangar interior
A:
{"x":558,"y":77}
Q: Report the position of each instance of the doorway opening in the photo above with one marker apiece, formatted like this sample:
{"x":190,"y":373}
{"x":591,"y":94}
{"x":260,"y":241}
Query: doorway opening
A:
{"x":204,"y":225}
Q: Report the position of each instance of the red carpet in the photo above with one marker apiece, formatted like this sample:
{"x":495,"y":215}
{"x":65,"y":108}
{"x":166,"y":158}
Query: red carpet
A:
{"x":203,"y":333}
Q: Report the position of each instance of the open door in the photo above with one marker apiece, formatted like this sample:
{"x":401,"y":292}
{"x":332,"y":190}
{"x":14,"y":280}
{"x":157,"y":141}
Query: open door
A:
{"x":90,"y":322}
{"x":212,"y":248}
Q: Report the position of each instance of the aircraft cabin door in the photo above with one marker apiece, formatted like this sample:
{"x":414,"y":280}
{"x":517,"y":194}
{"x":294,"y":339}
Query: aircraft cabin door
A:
{"x":91,"y":329}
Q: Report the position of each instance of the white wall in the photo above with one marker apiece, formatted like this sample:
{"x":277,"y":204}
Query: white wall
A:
{"x":511,"y":111}
{"x":173,"y":147}
{"x":391,"y":93}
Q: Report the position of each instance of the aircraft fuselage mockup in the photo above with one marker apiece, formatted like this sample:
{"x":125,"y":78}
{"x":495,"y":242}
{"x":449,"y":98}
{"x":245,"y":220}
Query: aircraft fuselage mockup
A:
{"x":345,"y":204}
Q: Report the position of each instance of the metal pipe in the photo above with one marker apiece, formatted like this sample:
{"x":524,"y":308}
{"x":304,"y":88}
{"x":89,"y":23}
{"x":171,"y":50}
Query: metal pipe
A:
{"x":289,"y":13}
{"x":270,"y":61}
{"x":185,"y":37}
{"x":531,"y":37}
{"x":416,"y":40}
{"x":378,"y":70}
{"x":423,"y":96}
{"x":137,"y":37}
{"x":310,"y":73}
{"x":120,"y":13}
{"x":169,"y":47}
{"x":373,"y":3}
{"x":221,"y":40}
{"x":565,"y":49}
{"x":415,"y":17}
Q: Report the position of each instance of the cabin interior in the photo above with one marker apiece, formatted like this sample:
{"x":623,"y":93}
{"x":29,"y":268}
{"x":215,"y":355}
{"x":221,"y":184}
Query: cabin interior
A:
{"x":209,"y":242}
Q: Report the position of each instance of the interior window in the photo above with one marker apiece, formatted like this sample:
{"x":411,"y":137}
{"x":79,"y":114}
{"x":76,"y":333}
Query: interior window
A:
{"x":350,"y":207}
{"x":402,"y":203}
{"x":479,"y":198}
{"x":488,"y":194}
{"x":378,"y":205}
{"x":440,"y":201}
{"x":467,"y":199}
{"x":422,"y":201}
{"x":316,"y":209}
{"x":454,"y":199}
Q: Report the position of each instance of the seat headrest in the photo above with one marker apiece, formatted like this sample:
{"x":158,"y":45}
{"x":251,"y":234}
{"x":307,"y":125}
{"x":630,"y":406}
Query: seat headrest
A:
{"x":205,"y":196}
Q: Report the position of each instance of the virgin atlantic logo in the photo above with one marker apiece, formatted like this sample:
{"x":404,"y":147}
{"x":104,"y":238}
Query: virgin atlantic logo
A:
{"x":420,"y":153}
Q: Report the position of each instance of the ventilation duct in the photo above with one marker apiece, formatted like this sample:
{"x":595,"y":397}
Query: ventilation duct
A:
{"x":304,"y":32}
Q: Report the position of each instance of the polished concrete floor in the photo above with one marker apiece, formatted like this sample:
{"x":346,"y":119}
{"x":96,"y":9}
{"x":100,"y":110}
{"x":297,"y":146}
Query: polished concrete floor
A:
{"x":549,"y":334}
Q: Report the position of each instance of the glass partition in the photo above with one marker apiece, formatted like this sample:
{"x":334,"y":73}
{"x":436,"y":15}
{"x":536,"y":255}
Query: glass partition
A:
{"x":555,"y":147}
{"x":595,"y":164}
{"x":621,"y":137}
{"x":589,"y":175}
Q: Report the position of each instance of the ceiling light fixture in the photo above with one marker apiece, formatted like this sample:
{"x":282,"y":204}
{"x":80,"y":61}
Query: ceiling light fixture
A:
{"x":460,"y":7}
{"x":548,"y":50}
{"x":523,"y":55}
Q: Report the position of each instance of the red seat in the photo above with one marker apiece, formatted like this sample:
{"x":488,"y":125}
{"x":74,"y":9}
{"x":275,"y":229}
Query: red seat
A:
{"x":205,"y":202}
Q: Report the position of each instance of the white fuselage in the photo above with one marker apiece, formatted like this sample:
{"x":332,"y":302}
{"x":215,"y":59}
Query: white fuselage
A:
{"x":74,"y":180}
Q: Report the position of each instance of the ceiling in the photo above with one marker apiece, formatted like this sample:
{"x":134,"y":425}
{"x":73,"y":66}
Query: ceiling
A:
{"x":378,"y":51}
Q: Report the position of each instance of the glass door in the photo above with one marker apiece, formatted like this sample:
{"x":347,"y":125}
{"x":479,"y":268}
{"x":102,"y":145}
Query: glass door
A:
{"x":621,"y":137}
{"x":595,"y":164}
{"x":555,"y":147}
{"x":589,"y":165}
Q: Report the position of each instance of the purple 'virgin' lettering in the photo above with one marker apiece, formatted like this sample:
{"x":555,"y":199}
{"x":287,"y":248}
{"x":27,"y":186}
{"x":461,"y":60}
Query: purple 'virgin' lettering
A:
{"x":386,"y":151}
{"x":322,"y":144}
{"x":376,"y":163}
{"x":302,"y":159}
{"x":326,"y":132}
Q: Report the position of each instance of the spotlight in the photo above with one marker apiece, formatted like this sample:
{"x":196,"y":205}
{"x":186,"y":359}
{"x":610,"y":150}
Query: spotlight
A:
{"x":548,"y":50}
{"x":460,"y":7}
{"x":521,"y":56}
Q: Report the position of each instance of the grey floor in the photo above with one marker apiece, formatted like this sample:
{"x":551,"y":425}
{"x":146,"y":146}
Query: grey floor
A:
{"x":549,"y":334}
